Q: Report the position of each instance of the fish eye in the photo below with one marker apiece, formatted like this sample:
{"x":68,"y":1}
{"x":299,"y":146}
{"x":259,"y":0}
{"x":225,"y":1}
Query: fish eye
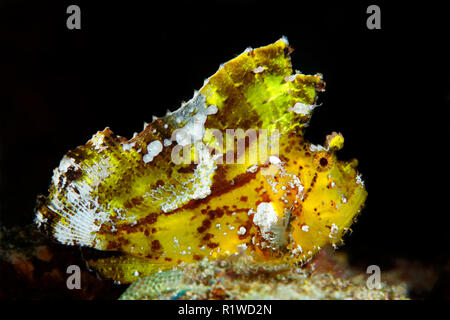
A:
{"x":323,"y":162}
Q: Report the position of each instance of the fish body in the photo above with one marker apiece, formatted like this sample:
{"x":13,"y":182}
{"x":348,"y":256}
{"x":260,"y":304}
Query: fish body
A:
{"x":227,"y":173}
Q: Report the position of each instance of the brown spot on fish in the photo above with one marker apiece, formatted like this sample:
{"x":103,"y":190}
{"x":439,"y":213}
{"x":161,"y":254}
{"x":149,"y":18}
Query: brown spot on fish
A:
{"x":208,"y":236}
{"x":213,"y":245}
{"x":197,"y":257}
{"x":205,"y":225}
{"x":156,"y":245}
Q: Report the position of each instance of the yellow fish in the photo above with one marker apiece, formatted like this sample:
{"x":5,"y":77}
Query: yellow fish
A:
{"x":227,"y":173}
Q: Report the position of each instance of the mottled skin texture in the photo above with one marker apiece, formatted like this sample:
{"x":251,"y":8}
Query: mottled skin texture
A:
{"x":161,"y":214}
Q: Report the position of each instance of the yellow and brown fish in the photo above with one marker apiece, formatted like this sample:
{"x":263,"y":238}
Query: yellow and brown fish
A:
{"x":229,"y":172}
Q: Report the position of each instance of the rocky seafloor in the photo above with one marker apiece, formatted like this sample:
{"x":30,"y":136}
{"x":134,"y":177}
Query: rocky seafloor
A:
{"x":237,"y":278}
{"x":33,"y":267}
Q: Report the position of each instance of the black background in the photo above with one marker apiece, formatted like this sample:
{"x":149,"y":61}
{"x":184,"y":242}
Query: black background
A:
{"x":387,"y":91}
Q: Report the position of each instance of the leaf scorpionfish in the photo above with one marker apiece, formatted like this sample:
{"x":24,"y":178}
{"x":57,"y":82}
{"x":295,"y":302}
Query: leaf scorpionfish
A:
{"x":227,"y":173}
